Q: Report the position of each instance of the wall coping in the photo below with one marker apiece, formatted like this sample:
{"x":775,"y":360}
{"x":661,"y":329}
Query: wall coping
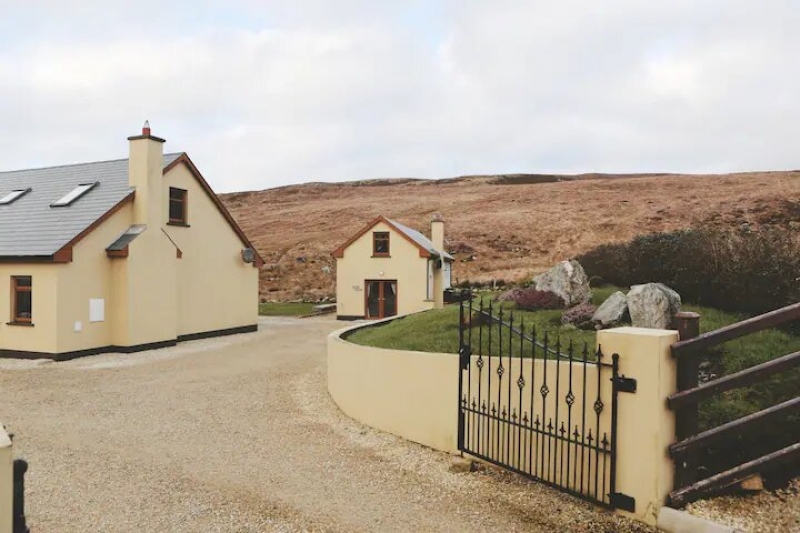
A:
{"x":647,"y":332}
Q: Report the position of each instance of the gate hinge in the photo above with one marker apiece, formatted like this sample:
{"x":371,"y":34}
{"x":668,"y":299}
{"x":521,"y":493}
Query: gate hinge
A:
{"x":623,"y":384}
{"x":622,"y":501}
{"x":463,"y":356}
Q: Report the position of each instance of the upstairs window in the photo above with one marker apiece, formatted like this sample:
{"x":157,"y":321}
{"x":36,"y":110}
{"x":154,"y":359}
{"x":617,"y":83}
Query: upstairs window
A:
{"x":21,"y":299}
{"x":74,"y":194}
{"x":380,"y":243}
{"x":177,"y":206}
{"x":14,"y":195}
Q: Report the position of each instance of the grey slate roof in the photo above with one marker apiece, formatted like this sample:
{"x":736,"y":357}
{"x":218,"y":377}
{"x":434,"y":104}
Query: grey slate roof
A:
{"x":30,"y":227}
{"x":421,"y":239}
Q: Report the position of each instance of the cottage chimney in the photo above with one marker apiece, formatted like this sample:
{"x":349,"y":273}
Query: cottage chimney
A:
{"x":437,"y":232}
{"x":145,"y":174}
{"x":437,"y":238}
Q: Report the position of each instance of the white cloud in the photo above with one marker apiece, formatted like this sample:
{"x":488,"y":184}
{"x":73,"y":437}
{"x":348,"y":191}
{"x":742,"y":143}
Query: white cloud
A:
{"x":267,"y":93}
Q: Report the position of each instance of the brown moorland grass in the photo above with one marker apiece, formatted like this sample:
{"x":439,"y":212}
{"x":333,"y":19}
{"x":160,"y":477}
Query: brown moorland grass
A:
{"x":500,"y":227}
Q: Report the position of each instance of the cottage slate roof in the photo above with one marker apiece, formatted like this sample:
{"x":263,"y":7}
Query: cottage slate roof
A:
{"x":29,"y":227}
{"x":421,"y":239}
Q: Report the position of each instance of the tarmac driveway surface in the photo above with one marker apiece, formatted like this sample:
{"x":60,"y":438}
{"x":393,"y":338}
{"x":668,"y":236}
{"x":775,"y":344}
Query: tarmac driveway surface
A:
{"x":238,"y":434}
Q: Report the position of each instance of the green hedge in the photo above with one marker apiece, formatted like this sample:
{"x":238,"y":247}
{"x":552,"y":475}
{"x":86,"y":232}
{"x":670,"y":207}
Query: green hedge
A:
{"x":748,"y":272}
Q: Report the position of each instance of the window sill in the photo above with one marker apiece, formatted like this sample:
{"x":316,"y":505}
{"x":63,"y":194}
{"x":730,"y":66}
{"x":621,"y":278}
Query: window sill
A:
{"x":381,"y":255}
{"x":23,"y":324}
{"x":179,"y":224}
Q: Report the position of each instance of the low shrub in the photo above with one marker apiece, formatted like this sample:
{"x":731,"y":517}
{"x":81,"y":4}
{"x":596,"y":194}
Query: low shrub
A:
{"x":533,"y":300}
{"x":579,"y":316}
{"x":749,"y":272}
{"x":508,"y":296}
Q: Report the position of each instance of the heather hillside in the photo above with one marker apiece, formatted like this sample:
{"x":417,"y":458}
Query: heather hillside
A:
{"x":499,"y":227}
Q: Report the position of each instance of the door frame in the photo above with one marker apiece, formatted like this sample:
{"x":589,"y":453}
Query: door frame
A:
{"x":381,"y":310}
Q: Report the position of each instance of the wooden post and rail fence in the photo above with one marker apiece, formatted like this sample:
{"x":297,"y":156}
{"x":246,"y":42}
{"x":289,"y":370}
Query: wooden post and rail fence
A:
{"x":690,"y":440}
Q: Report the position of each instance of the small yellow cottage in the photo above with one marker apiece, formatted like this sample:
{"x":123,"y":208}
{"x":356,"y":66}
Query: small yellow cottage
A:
{"x":119,"y":256}
{"x":388,"y":269}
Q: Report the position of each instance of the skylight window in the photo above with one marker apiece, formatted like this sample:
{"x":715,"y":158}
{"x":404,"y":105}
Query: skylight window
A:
{"x":13,"y":195}
{"x":73,"y":195}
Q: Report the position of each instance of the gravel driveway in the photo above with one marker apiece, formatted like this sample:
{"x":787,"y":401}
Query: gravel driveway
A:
{"x":238,"y":434}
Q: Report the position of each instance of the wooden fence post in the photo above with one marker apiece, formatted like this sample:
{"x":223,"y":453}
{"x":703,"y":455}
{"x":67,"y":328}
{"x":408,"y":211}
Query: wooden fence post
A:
{"x":686,"y":418}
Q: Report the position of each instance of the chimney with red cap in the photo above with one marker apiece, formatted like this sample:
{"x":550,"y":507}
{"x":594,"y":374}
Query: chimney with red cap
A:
{"x":145,"y":171}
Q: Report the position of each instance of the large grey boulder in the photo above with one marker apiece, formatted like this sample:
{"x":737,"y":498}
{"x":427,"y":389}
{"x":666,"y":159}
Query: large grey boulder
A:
{"x":653,"y":305}
{"x":568,"y":280}
{"x":613,"y":310}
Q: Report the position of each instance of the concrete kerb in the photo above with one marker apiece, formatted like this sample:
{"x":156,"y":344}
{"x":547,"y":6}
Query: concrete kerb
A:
{"x":674,"y":521}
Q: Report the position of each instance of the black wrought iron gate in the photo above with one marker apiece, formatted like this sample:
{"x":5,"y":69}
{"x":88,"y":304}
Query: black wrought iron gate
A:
{"x":539,"y":407}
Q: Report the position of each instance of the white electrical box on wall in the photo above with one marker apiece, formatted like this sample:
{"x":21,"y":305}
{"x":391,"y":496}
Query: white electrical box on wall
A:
{"x":97,"y":310}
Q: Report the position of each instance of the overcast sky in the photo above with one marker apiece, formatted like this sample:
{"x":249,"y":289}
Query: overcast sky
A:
{"x":267,"y":93}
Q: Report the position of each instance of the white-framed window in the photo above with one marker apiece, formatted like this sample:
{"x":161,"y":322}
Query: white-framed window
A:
{"x":74,"y":194}
{"x":13,"y":195}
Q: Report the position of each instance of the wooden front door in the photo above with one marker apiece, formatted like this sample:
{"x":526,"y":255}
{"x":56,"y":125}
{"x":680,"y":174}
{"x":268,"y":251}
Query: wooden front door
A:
{"x":381,"y":298}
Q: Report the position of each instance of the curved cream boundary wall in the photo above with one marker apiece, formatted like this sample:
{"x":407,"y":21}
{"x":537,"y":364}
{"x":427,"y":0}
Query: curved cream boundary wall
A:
{"x":411,"y":394}
{"x":414,"y":395}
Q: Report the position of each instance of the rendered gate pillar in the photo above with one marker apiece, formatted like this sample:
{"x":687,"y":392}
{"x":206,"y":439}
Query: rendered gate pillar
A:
{"x":645,"y":426}
{"x":6,"y":483}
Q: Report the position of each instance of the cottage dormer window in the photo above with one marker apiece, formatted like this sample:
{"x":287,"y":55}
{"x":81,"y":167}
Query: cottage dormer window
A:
{"x":380,"y":244}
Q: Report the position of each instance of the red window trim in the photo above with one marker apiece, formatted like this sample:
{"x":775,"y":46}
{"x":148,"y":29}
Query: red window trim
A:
{"x":183,"y":200}
{"x":16,"y":288}
{"x":375,"y":240}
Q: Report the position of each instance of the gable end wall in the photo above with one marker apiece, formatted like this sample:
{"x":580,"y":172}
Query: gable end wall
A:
{"x":404,"y":265}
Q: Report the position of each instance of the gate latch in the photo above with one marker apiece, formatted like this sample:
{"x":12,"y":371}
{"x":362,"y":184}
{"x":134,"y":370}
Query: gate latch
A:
{"x":623,"y":384}
{"x":463,"y":355}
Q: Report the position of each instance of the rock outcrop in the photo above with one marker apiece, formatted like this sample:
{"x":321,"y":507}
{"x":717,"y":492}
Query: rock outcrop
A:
{"x":568,"y":280}
{"x":653,"y":305}
{"x":613,"y":312}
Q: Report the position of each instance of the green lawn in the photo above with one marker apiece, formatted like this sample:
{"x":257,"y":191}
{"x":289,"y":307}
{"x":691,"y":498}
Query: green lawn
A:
{"x":285,"y":308}
{"x":437,"y":330}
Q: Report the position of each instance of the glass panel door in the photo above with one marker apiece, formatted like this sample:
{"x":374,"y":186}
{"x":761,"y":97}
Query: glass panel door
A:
{"x":389,"y":298}
{"x":373,"y":299}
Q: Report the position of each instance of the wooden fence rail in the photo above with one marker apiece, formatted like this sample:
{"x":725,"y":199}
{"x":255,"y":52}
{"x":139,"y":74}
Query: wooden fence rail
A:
{"x":684,"y":402}
{"x":734,"y":331}
{"x":742,"y":378}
